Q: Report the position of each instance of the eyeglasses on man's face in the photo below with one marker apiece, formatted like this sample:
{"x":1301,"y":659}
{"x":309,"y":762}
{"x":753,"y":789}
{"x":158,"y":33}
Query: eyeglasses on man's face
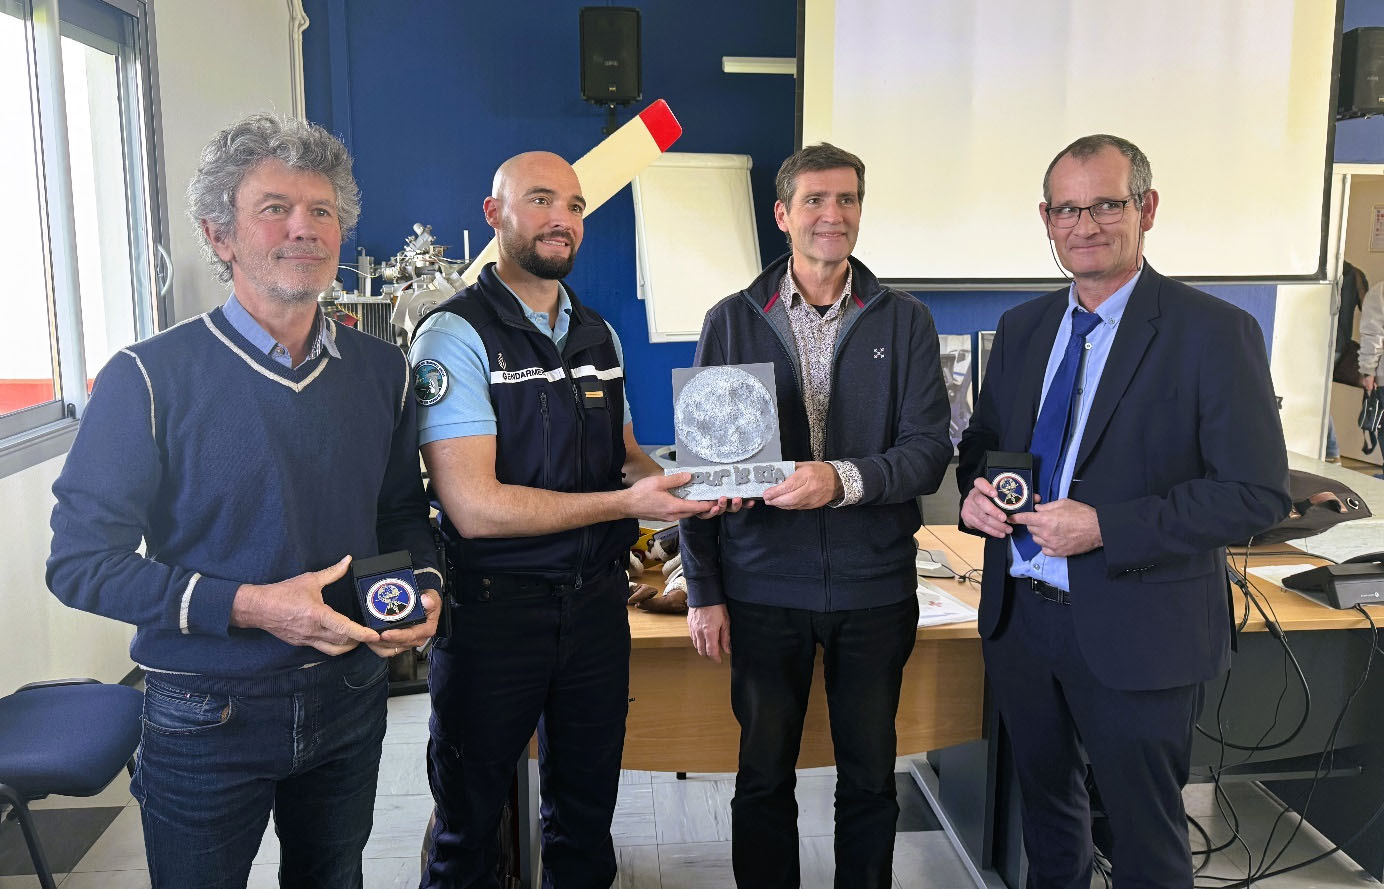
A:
{"x":1102,"y":212}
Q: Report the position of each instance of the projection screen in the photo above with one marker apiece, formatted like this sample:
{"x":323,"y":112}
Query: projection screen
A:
{"x":957,"y":107}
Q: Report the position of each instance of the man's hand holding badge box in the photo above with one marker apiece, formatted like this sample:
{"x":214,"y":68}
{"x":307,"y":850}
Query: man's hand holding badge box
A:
{"x":387,"y":592}
{"x":1012,"y":475}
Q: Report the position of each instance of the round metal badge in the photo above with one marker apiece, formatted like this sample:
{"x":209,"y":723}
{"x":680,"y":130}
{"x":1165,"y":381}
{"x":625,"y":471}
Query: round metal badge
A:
{"x":1011,"y":491}
{"x":429,"y":382}
{"x":390,"y":599}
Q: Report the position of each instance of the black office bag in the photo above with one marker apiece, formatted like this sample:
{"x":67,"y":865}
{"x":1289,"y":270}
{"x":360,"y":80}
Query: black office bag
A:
{"x":1371,"y":417}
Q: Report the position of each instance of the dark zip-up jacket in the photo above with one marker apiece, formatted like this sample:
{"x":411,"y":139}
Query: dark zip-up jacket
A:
{"x":559,"y":426}
{"x":888,"y":416}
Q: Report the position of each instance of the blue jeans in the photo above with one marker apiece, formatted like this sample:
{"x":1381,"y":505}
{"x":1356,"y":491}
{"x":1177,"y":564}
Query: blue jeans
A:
{"x":218,"y":754}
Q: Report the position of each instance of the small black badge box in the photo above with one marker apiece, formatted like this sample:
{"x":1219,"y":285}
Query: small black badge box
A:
{"x":1012,"y":475}
{"x":387,"y":591}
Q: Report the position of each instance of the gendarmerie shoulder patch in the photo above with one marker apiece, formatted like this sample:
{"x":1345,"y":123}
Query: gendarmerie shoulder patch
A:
{"x":429,"y":382}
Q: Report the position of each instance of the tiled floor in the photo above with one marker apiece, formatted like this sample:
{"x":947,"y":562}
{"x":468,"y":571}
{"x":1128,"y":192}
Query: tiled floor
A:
{"x":674,"y":834}
{"x":669,"y":834}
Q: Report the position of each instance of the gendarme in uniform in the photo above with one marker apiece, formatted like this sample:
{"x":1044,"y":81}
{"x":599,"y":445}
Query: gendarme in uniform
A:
{"x":539,"y":627}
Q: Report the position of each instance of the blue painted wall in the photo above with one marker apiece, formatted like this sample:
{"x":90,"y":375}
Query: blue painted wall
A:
{"x":431,"y":95}
{"x":970,"y":311}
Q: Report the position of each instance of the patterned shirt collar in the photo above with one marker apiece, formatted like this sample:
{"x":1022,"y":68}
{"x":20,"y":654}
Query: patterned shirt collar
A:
{"x":791,"y":295}
{"x":322,"y":337}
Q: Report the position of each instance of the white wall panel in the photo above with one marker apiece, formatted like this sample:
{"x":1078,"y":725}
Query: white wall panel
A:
{"x":217,"y":62}
{"x":44,"y":638}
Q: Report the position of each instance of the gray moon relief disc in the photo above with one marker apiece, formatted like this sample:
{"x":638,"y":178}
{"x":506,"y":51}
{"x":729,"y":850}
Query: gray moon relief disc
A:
{"x":724,"y":414}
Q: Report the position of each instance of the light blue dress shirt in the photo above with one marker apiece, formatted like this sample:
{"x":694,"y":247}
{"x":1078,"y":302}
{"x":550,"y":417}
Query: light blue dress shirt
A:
{"x":1053,"y":569}
{"x":246,"y":325}
{"x":450,"y":340}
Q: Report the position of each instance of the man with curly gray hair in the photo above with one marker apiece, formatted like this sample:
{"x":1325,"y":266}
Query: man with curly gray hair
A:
{"x":239,"y":149}
{"x":219,"y":445}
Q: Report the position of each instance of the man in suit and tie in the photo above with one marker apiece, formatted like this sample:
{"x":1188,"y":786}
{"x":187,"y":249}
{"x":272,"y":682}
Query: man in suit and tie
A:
{"x":1150,"y":415}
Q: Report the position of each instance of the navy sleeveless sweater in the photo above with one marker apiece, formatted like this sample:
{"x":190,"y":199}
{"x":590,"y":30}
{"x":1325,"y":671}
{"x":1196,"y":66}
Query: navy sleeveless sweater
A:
{"x":233,"y":469}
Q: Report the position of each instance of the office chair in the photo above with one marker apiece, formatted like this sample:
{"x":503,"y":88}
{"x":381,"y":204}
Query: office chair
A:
{"x":68,"y":737}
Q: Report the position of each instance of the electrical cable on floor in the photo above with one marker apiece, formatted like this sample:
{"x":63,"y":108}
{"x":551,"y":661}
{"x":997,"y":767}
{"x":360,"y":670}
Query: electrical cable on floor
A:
{"x":1209,"y":849}
{"x":1224,"y":806}
{"x":1263,"y":873}
{"x":1329,"y":754}
{"x":1222,"y":800}
{"x":1276,"y":631}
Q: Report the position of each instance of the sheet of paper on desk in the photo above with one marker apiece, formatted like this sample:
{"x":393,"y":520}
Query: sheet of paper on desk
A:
{"x":937,"y":607}
{"x":1274,"y":574}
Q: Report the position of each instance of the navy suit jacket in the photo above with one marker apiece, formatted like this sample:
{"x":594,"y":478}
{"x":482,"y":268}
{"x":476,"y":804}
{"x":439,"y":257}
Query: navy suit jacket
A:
{"x":1183,"y":453}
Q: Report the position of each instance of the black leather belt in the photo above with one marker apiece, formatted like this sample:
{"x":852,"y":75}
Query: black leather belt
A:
{"x":473,"y":586}
{"x":1048,"y":591}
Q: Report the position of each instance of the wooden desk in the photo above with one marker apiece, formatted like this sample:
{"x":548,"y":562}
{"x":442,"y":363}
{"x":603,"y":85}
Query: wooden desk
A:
{"x":680,"y":717}
{"x":1293,"y":612}
{"x":969,"y":548}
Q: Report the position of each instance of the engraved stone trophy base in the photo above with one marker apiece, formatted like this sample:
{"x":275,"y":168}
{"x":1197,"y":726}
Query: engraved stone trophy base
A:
{"x":731,"y":480}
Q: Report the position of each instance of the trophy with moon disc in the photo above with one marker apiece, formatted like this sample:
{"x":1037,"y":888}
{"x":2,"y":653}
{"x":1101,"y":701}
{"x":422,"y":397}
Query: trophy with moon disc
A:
{"x":725,"y":420}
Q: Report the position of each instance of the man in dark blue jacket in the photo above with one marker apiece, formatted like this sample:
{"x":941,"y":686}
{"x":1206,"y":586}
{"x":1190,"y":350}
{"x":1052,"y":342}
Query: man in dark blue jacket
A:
{"x":863,"y":410}
{"x":1149,"y":411}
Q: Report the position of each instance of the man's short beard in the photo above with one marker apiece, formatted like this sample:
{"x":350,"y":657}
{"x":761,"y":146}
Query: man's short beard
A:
{"x":528,"y":258}
{"x":291,"y":297}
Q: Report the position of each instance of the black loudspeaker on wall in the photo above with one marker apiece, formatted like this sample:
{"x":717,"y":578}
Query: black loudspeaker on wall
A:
{"x":1361,"y":90}
{"x":610,"y":55}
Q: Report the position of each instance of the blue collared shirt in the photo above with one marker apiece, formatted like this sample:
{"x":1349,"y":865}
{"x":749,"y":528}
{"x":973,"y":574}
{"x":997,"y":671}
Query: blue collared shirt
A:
{"x":246,"y":325}
{"x":1053,"y":569}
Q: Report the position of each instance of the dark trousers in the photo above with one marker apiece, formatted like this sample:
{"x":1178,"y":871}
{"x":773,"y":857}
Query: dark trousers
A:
{"x":863,"y":654}
{"x":1139,"y":744}
{"x":217,"y":755}
{"x":557,"y":660}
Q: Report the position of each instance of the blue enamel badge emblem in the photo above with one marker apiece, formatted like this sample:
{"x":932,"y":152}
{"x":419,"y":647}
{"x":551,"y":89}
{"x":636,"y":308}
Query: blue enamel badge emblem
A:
{"x":387,"y":591}
{"x":1011,"y":490}
{"x":391,"y":599}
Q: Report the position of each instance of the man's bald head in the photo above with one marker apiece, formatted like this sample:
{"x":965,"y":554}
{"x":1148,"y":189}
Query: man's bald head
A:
{"x":536,"y":208}
{"x":531,"y":166}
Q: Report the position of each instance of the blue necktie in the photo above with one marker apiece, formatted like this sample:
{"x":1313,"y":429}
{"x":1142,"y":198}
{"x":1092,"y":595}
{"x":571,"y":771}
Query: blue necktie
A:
{"x":1054,"y":422}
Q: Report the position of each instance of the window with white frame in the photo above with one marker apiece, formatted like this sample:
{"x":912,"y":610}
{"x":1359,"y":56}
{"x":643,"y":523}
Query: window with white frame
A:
{"x":81,"y":209}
